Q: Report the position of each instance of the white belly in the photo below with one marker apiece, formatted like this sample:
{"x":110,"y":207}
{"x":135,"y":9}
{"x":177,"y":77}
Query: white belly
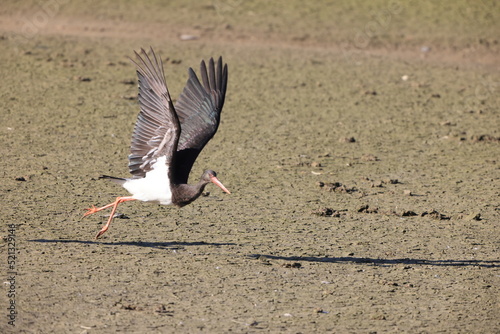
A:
{"x":155,"y":187}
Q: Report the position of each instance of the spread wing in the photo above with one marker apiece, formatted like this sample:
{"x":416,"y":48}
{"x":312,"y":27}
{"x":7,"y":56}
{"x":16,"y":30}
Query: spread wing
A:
{"x":198,"y":109}
{"x":157,"y":129}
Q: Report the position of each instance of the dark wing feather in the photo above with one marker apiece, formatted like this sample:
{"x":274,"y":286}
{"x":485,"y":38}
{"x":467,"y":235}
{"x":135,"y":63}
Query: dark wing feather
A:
{"x":198,"y":108}
{"x":157,"y":129}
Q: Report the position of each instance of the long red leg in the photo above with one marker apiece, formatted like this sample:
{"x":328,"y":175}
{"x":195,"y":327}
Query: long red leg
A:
{"x":113,"y":211}
{"x":93,"y":209}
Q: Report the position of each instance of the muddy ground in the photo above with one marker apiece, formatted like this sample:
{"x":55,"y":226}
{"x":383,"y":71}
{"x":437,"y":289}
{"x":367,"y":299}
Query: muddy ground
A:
{"x":360,"y":140}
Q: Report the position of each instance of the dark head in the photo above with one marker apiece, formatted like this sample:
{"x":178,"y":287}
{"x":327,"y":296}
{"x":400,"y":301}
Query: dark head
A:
{"x":211,"y":176}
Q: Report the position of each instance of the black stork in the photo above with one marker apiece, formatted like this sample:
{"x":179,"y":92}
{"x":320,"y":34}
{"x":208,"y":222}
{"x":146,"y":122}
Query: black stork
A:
{"x":167,"y":140}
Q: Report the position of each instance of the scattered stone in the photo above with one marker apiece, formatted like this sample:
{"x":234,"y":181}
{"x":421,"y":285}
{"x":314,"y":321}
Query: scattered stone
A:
{"x":378,"y":317}
{"x":407,"y":192}
{"x":186,"y":37}
{"x":320,"y":310}
{"x":390,"y":181}
{"x":425,"y":49}
{"x":347,"y":140}
{"x":385,"y":282}
{"x":484,"y":138}
{"x":408,"y":213}
{"x":435,"y":215}
{"x":327,"y":212}
{"x":369,"y":157}
{"x":131,"y":307}
{"x":128,"y":82}
{"x":292,"y":265}
{"x":323,"y":212}
{"x":83,"y":79}
{"x":315,"y":164}
{"x":473,"y":216}
{"x":366,"y":209}
{"x":390,"y":213}
{"x":332,"y":186}
{"x":335,"y":187}
{"x":163,"y":310}
{"x":363,"y":208}
{"x":20,"y":178}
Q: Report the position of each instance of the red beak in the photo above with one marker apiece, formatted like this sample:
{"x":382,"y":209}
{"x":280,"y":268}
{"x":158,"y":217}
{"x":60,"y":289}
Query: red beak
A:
{"x":219,"y":184}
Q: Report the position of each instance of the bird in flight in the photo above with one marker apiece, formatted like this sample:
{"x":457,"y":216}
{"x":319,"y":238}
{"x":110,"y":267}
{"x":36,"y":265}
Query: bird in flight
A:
{"x":167,"y":140}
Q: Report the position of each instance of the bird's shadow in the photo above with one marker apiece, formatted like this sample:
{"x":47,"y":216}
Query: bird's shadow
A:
{"x":383,"y":262}
{"x":157,"y":245}
{"x":343,"y":259}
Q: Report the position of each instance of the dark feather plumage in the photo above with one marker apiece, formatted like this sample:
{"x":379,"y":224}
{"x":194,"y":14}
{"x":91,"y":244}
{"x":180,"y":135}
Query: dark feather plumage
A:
{"x":198,"y":108}
{"x":157,"y":129}
{"x":179,"y":133}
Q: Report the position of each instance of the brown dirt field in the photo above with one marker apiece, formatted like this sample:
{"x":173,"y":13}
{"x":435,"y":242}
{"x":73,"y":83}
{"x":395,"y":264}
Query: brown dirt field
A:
{"x":360,"y":140}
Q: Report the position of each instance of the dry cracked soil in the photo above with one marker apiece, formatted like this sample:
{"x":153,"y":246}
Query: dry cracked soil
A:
{"x":360,"y":141}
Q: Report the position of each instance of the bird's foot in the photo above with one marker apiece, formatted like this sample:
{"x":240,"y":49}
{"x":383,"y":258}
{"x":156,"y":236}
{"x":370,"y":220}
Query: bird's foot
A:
{"x":93,"y":209}
{"x":90,"y":211}
{"x":101,"y":232}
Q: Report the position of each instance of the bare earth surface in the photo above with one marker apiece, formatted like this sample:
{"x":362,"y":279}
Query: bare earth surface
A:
{"x":360,"y":140}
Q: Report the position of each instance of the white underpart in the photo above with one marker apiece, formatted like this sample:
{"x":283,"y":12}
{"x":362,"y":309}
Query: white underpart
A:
{"x":155,"y":187}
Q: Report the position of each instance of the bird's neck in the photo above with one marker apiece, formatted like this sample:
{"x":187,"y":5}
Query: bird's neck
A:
{"x":183,"y":194}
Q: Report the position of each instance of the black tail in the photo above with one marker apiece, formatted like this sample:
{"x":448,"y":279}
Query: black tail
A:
{"x":118,"y":180}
